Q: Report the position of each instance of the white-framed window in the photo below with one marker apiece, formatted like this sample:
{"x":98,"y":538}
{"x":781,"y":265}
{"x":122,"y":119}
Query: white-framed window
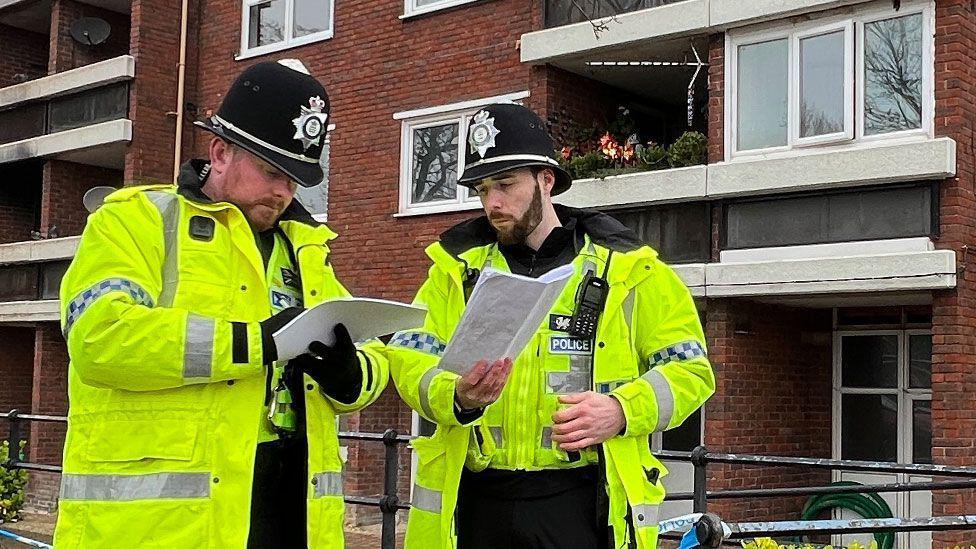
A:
{"x":882,"y":411}
{"x":845,"y":79}
{"x":432,"y":145}
{"x":418,"y":7}
{"x":316,"y":199}
{"x":882,"y":395}
{"x":273,"y":25}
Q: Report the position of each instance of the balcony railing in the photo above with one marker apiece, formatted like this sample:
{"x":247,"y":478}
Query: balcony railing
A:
{"x":565,"y":12}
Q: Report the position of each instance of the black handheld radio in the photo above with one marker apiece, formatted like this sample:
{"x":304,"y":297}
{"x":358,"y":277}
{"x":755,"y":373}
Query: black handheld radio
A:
{"x":590,"y":299}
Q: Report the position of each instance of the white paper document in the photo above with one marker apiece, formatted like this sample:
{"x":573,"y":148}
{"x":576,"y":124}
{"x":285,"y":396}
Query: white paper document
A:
{"x":504,"y":312}
{"x":365,"y":318}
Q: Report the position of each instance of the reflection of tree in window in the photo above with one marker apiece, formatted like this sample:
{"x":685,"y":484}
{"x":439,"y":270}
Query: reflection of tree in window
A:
{"x":435,"y":157}
{"x":267,"y":23}
{"x":893,"y":75}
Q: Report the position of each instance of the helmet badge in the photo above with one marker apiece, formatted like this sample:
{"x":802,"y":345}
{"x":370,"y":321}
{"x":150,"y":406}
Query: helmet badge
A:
{"x":311,"y":122}
{"x":481,"y":135}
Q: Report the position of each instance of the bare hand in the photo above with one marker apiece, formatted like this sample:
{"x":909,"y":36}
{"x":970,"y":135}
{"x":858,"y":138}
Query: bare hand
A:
{"x":483,"y":384}
{"x":592,"y":419}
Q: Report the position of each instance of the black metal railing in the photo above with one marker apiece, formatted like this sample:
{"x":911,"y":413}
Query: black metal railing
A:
{"x":565,"y":12}
{"x":700,"y":458}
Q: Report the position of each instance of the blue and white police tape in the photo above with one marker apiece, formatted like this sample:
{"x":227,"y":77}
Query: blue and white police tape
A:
{"x":686,"y":524}
{"x":25,"y":541}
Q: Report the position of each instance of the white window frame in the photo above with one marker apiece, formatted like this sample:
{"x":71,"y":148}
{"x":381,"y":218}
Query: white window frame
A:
{"x":289,"y":41}
{"x":410,"y":8}
{"x":906,"y":395}
{"x":847,"y":27}
{"x":854,"y":70}
{"x":438,"y":116}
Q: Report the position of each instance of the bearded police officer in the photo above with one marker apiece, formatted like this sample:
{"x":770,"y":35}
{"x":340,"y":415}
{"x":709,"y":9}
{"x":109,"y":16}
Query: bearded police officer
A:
{"x":184,"y":429}
{"x":551,"y":450}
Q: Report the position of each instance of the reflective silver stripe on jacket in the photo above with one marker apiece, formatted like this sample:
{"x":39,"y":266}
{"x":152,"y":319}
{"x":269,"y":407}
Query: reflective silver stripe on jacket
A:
{"x":169,"y":209}
{"x":645,"y":515}
{"x":576,"y":380}
{"x":327,"y":484}
{"x":85,"y":298}
{"x":663,"y":395}
{"x":426,"y":499}
{"x":546,"y":441}
{"x":198,"y":350}
{"x":496,"y":435}
{"x":135,"y":487}
{"x":425,"y":382}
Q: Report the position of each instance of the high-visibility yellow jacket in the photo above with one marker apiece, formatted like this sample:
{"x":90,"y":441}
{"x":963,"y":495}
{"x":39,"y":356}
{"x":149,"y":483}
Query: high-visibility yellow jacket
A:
{"x":649,"y":353}
{"x":161,"y":309}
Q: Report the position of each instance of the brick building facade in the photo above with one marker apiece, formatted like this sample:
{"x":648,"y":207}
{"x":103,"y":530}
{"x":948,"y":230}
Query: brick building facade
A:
{"x":812,"y":292}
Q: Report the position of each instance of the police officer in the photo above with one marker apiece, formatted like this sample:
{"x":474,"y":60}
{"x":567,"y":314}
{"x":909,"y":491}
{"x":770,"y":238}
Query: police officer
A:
{"x":551,"y":450}
{"x":184,"y":429}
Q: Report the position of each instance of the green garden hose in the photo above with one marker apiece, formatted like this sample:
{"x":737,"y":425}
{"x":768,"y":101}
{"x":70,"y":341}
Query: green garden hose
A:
{"x":866,"y":505}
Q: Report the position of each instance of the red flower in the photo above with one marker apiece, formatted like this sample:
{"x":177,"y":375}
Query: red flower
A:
{"x":566,"y":153}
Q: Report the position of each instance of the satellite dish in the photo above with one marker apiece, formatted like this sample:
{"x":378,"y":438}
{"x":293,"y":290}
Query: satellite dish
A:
{"x":95,"y":196}
{"x":90,"y":31}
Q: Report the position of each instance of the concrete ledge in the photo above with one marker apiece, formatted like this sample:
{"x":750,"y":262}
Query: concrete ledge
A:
{"x":865,"y":165}
{"x":82,"y":78}
{"x":929,"y":159}
{"x":39,"y":250}
{"x":886,"y":272}
{"x":693,"y":275}
{"x":637,"y":188}
{"x":30,"y":311}
{"x":106,"y":133}
{"x":668,"y":21}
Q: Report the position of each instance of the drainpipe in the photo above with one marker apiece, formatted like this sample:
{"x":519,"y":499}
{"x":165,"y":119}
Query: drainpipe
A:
{"x":179,"y":92}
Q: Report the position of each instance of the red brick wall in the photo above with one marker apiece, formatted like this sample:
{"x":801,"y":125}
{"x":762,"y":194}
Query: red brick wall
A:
{"x":573,"y":103}
{"x":716,"y":98}
{"x":16,"y":364}
{"x":50,"y":397}
{"x":65,"y":184}
{"x":953,"y":313}
{"x":21,"y":53}
{"x":155,"y":44}
{"x":773,"y":396}
{"x":19,"y":200}
{"x":66,"y":53}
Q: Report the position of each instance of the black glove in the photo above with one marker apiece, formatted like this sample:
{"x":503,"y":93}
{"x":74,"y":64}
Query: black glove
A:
{"x":335,"y":368}
{"x":271,"y":325}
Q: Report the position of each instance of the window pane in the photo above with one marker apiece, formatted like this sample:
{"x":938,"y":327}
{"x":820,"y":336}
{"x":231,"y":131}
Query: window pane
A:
{"x":762,"y":95}
{"x":822,"y":84}
{"x":435,"y":158}
{"x":869,"y":361}
{"x":921,"y":431}
{"x":266,"y":24}
{"x":51,"y":275}
{"x":90,"y":107}
{"x":311,"y":16}
{"x":685,"y":437}
{"x":920,"y":361}
{"x":869,"y":427}
{"x":893,"y":75}
{"x":427,"y":428}
{"x":316,"y":199}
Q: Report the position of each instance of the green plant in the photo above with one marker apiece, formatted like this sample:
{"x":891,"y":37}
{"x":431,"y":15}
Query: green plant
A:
{"x":12,"y":483}
{"x":769,"y":543}
{"x":653,"y":155}
{"x":691,"y":149}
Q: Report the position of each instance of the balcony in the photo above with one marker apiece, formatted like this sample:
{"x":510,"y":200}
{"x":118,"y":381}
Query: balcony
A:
{"x":570,"y":37}
{"x":77,"y":115}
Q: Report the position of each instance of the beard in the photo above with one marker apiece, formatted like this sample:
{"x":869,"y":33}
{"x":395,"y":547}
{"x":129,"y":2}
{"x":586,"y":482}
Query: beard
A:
{"x":523,"y":226}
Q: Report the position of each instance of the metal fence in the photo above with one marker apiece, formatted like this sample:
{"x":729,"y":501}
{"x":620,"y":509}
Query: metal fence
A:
{"x":390,"y":504}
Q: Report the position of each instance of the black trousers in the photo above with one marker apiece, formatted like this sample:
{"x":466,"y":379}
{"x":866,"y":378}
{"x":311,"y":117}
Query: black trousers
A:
{"x":513,"y":518}
{"x":278,"y":508}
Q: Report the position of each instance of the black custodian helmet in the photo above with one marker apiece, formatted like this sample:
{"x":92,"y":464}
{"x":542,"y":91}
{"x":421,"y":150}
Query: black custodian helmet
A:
{"x":279,"y":112}
{"x":503,"y":137}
